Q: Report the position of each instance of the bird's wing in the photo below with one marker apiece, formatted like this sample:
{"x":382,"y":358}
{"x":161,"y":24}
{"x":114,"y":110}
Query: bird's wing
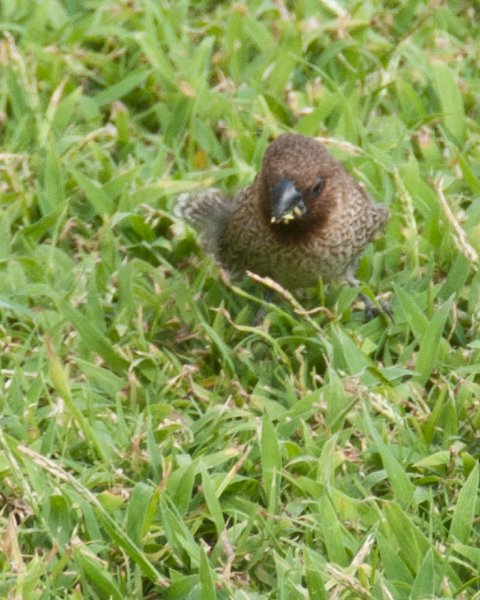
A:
{"x":208,"y":212}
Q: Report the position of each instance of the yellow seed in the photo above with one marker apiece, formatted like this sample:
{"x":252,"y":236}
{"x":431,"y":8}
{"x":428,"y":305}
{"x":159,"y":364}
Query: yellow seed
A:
{"x":287,"y":217}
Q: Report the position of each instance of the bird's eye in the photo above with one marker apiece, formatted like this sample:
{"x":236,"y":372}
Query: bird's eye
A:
{"x":317,"y":187}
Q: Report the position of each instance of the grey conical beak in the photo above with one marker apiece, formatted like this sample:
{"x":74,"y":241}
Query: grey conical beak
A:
{"x":286,"y":202}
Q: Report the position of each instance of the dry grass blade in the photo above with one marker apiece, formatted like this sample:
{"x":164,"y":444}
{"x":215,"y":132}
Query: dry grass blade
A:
{"x":290,"y":298}
{"x":458,"y":234}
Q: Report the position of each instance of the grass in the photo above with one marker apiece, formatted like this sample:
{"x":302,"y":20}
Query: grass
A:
{"x":155,"y":442}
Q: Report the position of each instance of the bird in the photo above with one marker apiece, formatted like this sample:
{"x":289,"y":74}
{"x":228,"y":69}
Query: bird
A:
{"x":303,"y":217}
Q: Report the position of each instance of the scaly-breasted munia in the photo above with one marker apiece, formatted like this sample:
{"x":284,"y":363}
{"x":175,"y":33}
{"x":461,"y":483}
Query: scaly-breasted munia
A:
{"x":302,"y":218}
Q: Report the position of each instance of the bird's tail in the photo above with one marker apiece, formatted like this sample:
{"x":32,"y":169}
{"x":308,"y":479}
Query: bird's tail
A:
{"x":207,"y":212}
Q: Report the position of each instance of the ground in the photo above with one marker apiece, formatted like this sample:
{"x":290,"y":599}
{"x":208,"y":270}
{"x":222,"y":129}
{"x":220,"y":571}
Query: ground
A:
{"x":160,"y":436}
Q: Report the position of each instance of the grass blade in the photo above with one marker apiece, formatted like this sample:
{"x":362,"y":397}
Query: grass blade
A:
{"x":463,"y":518}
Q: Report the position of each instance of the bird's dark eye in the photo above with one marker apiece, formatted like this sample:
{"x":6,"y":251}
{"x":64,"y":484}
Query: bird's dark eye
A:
{"x":317,"y":187}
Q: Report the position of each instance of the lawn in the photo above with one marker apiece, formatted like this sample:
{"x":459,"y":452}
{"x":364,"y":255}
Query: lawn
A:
{"x":163,"y":437}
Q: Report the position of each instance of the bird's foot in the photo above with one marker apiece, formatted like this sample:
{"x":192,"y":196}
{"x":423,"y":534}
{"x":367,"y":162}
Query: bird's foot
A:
{"x":375,"y":308}
{"x":259,"y":316}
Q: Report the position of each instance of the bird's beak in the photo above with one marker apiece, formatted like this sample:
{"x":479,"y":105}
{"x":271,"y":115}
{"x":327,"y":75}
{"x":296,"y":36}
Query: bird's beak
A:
{"x":286,"y":202}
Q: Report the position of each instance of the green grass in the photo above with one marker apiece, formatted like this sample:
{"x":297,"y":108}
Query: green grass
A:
{"x":155,"y":442}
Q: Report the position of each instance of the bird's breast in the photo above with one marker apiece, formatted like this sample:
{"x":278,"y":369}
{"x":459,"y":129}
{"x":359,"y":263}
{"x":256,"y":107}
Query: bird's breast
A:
{"x":291,"y":256}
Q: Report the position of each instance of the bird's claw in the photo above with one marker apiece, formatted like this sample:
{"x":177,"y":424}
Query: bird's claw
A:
{"x":374,"y":309}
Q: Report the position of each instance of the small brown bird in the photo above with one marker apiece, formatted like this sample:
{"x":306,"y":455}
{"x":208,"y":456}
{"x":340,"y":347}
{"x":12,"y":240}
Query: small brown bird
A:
{"x":303,"y":217}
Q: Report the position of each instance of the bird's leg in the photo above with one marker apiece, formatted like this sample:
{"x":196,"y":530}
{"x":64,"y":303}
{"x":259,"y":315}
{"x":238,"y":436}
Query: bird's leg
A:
{"x":269,"y":296}
{"x":372,"y":309}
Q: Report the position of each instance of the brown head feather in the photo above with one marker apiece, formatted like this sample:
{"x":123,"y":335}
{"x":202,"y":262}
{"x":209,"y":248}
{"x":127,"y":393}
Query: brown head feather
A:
{"x":302,"y":160}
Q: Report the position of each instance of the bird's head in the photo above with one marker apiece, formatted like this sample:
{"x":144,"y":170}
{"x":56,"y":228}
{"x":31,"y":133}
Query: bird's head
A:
{"x":296,"y":182}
